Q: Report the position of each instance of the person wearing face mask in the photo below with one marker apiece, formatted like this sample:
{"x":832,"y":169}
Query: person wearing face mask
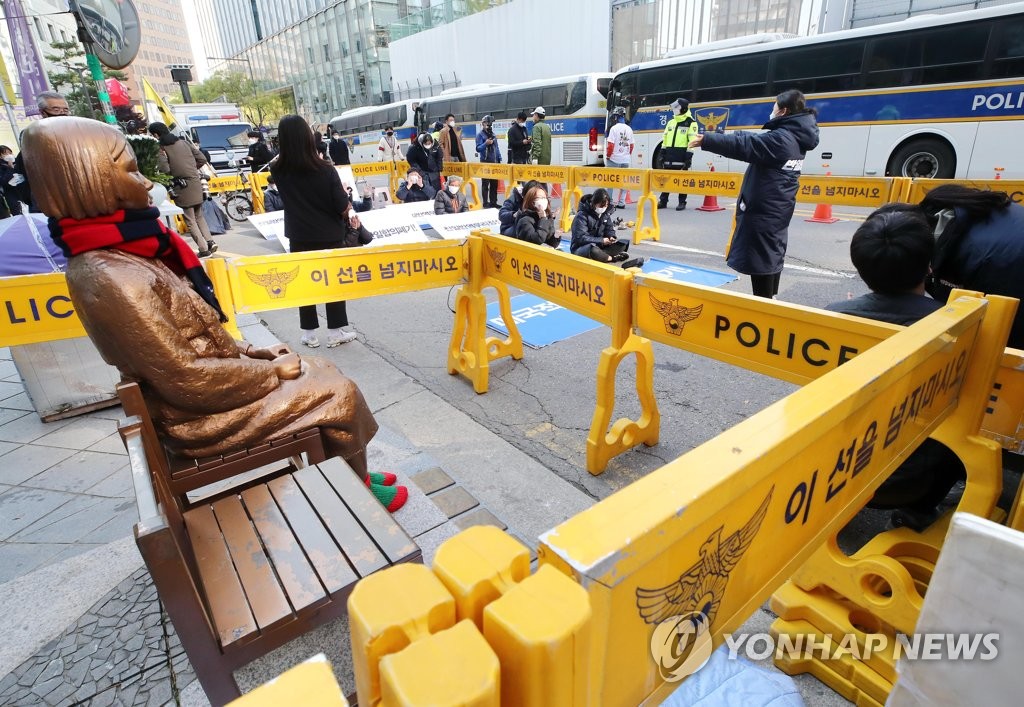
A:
{"x":451,"y":200}
{"x":425,"y":156}
{"x":388,"y":150}
{"x":415,"y":188}
{"x":259,"y":154}
{"x":519,"y":141}
{"x":510,"y":209}
{"x":540,"y":138}
{"x":768,"y":193}
{"x":488,"y":150}
{"x":338,"y":149}
{"x":675,"y":153}
{"x":9,"y":205}
{"x":593,"y":235}
{"x":451,"y":141}
{"x":535,"y":223}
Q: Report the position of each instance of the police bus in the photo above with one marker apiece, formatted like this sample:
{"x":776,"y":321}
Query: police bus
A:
{"x":931,"y":96}
{"x":364,"y":127}
{"x":575,"y":112}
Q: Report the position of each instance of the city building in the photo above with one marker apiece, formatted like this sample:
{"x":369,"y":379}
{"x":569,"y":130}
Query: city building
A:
{"x":164,"y":42}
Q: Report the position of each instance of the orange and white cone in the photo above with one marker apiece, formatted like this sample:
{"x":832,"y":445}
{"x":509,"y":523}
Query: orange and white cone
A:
{"x":710,"y":201}
{"x":822,"y":212}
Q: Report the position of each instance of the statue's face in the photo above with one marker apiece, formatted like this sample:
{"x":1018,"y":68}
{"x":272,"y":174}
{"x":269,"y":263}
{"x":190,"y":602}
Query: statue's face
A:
{"x":131,"y":187}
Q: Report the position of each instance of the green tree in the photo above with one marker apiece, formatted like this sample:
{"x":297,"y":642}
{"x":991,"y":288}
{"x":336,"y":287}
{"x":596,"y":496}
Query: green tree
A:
{"x":233,"y":86}
{"x":73,"y":79}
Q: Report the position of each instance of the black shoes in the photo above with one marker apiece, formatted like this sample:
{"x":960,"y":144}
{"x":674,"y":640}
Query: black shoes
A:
{"x":211,"y":246}
{"x":619,"y":257}
{"x":632,"y":263}
{"x":681,"y":207}
{"x":662,"y":204}
{"x":620,"y":206}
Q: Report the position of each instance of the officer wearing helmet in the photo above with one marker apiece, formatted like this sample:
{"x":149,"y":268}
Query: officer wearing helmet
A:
{"x":488,"y":151}
{"x":675,"y":153}
{"x":619,"y":149}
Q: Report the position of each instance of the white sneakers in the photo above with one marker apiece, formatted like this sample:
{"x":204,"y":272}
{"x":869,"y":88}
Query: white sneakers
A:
{"x":335,"y":337}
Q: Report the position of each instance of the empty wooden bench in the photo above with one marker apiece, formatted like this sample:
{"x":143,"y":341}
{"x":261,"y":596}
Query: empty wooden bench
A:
{"x":242,"y":572}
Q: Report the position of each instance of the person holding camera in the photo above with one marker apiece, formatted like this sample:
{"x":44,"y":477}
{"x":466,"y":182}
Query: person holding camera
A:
{"x":488,"y":150}
{"x":593,"y":235}
{"x":414,"y":188}
{"x":182,"y":160}
{"x":675,"y":152}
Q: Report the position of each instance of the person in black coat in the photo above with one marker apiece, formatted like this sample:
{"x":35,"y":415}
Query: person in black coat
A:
{"x":593,"y":235}
{"x":271,"y":197}
{"x":339,"y":150}
{"x":535,"y":223}
{"x":9,"y":204}
{"x":259,"y":154}
{"x":768,"y":194}
{"x":317,"y":216}
{"x":415,"y":188}
{"x":514,"y":202}
{"x":425,"y":156}
{"x":519,"y":141}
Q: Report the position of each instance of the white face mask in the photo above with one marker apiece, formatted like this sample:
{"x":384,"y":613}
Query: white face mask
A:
{"x":451,"y":123}
{"x":542,"y":204}
{"x":9,"y":158}
{"x":253,"y":141}
{"x":453,"y":188}
{"x":600,"y":209}
{"x":774,"y":115}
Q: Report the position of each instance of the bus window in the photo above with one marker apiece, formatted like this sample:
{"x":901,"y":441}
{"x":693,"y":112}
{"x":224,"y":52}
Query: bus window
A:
{"x":603,"y":86}
{"x":742,"y":77}
{"x":525,"y":100}
{"x":954,"y":54}
{"x":815,"y":71}
{"x":1008,"y":58}
{"x":437,"y":110}
{"x":464,"y":109}
{"x":625,"y":96}
{"x":554,"y":99}
{"x":894,"y":61}
{"x":493,"y":104}
{"x":659,"y":87}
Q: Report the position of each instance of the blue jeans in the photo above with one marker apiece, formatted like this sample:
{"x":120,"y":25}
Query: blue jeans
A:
{"x":623,"y":193}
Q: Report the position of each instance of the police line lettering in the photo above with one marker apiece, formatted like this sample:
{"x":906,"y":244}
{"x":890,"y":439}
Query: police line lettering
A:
{"x":17,"y":315}
{"x":750,"y":336}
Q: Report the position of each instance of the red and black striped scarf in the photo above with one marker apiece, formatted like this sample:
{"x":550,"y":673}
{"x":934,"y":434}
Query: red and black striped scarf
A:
{"x":140,"y":232}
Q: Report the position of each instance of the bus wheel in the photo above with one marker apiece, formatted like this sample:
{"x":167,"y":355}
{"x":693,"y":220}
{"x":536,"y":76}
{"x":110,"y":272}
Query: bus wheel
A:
{"x":928,"y":158}
{"x":657,"y":162}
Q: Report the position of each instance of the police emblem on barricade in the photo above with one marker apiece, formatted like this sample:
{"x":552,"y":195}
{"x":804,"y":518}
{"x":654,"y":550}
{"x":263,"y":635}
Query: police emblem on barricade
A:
{"x":685,"y":610}
{"x":498,"y":256}
{"x":675,"y":316}
{"x":276,"y":283}
{"x":713,"y":119}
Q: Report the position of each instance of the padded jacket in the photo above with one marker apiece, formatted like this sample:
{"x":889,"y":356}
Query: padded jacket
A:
{"x":530,"y":227}
{"x":589,"y":228}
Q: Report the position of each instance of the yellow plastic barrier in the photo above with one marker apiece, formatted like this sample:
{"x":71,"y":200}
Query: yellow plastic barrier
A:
{"x":479,"y":565}
{"x":844,"y":191}
{"x":540,"y":631}
{"x":670,"y":181}
{"x":389,"y":610}
{"x":600,"y":292}
{"x":453,"y":667}
{"x":550,"y":175}
{"x":310,"y":684}
{"x":710,"y":535}
{"x":267,"y":282}
{"x":614,"y":178}
{"x":37,"y":308}
{"x":1013,"y":187}
{"x":486,"y":170}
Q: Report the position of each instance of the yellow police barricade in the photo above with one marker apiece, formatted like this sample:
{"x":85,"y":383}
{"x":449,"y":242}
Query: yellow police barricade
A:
{"x":486,"y":170}
{"x":549,"y":174}
{"x":37,"y":308}
{"x":257,"y":183}
{"x":672,"y":181}
{"x":267,"y":282}
{"x":679,"y":559}
{"x":380,"y":169}
{"x":615,"y":178}
{"x":401,"y":168}
{"x":844,"y":191}
{"x":1013,"y":187}
{"x":600,"y":292}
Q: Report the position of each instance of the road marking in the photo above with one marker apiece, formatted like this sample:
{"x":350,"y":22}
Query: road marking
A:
{"x":789,"y":266}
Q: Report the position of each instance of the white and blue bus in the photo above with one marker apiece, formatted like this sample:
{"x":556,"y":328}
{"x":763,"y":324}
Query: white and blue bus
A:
{"x":931,"y":96}
{"x":575,"y":108}
{"x":364,"y":127}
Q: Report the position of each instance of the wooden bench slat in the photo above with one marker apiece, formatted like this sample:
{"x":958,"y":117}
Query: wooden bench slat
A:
{"x":360,"y":549}
{"x":330,"y":563}
{"x":231,"y":614}
{"x":380,"y":524}
{"x":293,"y":569}
{"x":266,"y":598}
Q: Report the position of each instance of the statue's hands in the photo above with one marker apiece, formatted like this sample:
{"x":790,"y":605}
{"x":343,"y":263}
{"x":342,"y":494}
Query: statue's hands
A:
{"x":268,"y":353}
{"x":288,"y":367}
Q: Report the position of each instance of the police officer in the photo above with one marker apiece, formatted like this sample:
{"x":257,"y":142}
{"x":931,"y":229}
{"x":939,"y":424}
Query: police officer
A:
{"x":679,"y":131}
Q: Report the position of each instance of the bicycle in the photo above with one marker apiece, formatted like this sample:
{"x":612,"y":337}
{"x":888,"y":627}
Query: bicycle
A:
{"x":236,"y":202}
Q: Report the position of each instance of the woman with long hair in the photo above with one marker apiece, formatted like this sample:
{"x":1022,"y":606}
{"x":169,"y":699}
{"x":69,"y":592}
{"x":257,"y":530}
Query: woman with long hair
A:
{"x":979,"y":244}
{"x":183,"y":160}
{"x":316,"y":215}
{"x":768,"y":194}
{"x":535,"y":223}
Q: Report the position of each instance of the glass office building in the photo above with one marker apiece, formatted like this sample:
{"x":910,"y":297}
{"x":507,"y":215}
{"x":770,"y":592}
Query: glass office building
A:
{"x":331,"y":54}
